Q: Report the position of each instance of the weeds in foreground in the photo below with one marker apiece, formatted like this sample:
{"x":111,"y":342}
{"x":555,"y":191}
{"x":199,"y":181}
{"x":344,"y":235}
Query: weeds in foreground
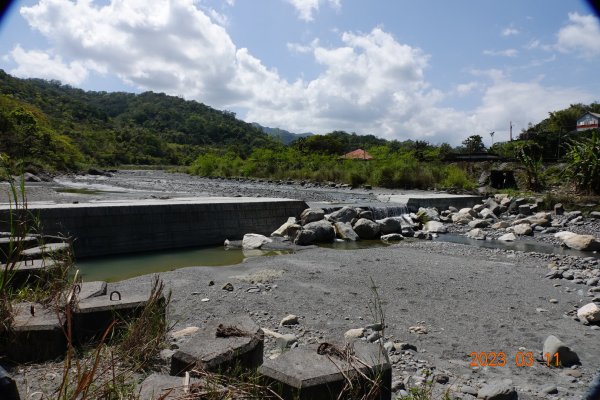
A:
{"x":145,"y":336}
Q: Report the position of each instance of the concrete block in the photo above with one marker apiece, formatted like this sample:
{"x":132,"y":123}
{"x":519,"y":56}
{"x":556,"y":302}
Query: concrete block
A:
{"x":5,"y":243}
{"x":305,"y":374}
{"x":30,"y":271}
{"x":87,"y":290}
{"x":35,"y":337}
{"x":8,"y":387}
{"x":93,"y":315}
{"x":165,"y":387}
{"x":218,"y":353}
{"x":45,"y":250}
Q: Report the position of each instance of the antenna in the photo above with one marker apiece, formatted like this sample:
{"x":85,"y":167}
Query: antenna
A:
{"x":492,"y":136}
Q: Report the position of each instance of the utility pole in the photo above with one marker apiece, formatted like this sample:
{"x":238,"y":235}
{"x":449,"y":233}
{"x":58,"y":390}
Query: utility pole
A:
{"x":511,"y":131}
{"x":492,"y":136}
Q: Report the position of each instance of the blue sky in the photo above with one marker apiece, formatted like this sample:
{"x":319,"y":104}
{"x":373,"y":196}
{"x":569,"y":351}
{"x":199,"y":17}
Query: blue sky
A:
{"x":430,"y":70}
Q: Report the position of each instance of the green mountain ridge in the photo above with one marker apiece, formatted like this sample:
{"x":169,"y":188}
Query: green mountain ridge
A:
{"x":105,"y":129}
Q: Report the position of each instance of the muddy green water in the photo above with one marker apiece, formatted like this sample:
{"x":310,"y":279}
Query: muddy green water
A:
{"x":116,"y":268}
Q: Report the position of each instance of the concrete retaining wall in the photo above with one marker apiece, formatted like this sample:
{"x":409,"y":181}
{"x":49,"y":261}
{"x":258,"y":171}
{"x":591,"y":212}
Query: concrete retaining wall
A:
{"x":130,"y":226}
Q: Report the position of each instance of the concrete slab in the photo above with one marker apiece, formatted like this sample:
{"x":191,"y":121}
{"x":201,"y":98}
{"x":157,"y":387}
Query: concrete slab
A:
{"x":304,"y":374}
{"x":91,"y":289}
{"x":45,"y":250}
{"x":8,"y":387}
{"x":35,"y":337}
{"x":116,"y":227}
{"x":165,"y":387}
{"x":210,"y":352}
{"x":30,"y":271}
{"x":93,"y":315}
{"x":5,"y":243}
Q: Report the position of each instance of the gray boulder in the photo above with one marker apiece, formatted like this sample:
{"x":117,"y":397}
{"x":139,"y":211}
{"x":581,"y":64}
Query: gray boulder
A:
{"x":430,"y":214}
{"x":392,"y":237}
{"x":578,"y":242}
{"x":525,"y":209}
{"x":324,"y":232}
{"x":595,"y":214}
{"x":407,"y":231}
{"x":435,"y":227}
{"x":305,"y":237}
{"x":559,"y":209}
{"x":253,"y":241}
{"x":498,"y":391}
{"x":389,"y":225}
{"x":367,"y":214}
{"x":479,"y":223}
{"x":522,"y":229}
{"x":311,"y":215}
{"x":477,"y":234}
{"x":509,"y":237}
{"x":344,"y":231}
{"x":345,"y":214}
{"x":366,"y":229}
{"x":566,"y":356}
{"x":283,"y":229}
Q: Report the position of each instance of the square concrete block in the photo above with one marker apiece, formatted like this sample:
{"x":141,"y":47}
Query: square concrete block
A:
{"x":5,"y":245}
{"x":35,"y":337}
{"x":45,"y":250}
{"x":304,"y":374}
{"x":30,"y":271}
{"x":93,"y":315}
{"x":166,"y":387}
{"x":207,"y":350}
{"x":87,"y":290}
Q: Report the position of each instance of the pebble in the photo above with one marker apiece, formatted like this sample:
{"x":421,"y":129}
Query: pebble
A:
{"x":354,"y":333}
{"x":553,"y":301}
{"x":228,"y":286}
{"x":550,"y":389}
{"x":204,"y":300}
{"x":373,"y":337}
{"x":289,"y":320}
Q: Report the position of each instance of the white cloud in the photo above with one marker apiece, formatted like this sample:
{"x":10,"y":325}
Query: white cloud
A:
{"x":510,"y":31}
{"x":39,"y":64}
{"x":306,"y":8}
{"x":369,"y":83}
{"x":466,"y":88}
{"x":580,"y":35}
{"x":503,"y":53}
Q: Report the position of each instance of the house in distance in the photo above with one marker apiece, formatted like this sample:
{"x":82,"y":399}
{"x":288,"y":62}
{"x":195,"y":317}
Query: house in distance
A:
{"x":589,"y":120}
{"x":358,"y":154}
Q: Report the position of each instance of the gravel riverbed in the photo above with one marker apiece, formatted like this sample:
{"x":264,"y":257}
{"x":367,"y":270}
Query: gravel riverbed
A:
{"x":444,"y":300}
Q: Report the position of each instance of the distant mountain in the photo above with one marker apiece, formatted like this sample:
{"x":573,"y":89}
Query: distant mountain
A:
{"x":282,"y":135}
{"x":41,"y":121}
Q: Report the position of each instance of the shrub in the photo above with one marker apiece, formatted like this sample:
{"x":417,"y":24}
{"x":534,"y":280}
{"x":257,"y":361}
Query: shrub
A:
{"x":584,"y":163}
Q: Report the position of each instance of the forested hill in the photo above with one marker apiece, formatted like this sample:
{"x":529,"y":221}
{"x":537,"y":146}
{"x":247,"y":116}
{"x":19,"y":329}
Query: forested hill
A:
{"x":39,"y":118}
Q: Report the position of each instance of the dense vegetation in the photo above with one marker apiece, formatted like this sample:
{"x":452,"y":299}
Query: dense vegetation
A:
{"x":113,"y":128}
{"x":45,"y":125}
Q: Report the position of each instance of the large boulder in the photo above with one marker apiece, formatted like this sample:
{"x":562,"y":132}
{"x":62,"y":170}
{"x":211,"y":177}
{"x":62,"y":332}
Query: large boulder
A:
{"x":283,"y":229}
{"x":344,"y":231}
{"x":324,"y":232}
{"x":497,"y":391}
{"x":366,"y":229}
{"x":590,"y":312}
{"x":467,"y":211}
{"x":311,"y":215}
{"x":522,"y":229}
{"x":435,"y":227}
{"x":486,"y":213}
{"x":392,"y":237}
{"x":478,"y":234}
{"x":461,"y":219}
{"x":509,"y":237}
{"x":345,"y":214}
{"x":566,"y":356}
{"x":253,"y":241}
{"x":389,"y":225}
{"x":578,"y":242}
{"x":479,"y":223}
{"x":428,"y":214}
{"x":305,"y":237}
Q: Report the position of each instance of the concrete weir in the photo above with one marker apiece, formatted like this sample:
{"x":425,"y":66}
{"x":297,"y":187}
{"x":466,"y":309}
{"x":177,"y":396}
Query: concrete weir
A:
{"x":104,"y":228}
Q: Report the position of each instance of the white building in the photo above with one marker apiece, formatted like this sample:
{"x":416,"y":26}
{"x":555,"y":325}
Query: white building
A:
{"x":589,"y":120}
